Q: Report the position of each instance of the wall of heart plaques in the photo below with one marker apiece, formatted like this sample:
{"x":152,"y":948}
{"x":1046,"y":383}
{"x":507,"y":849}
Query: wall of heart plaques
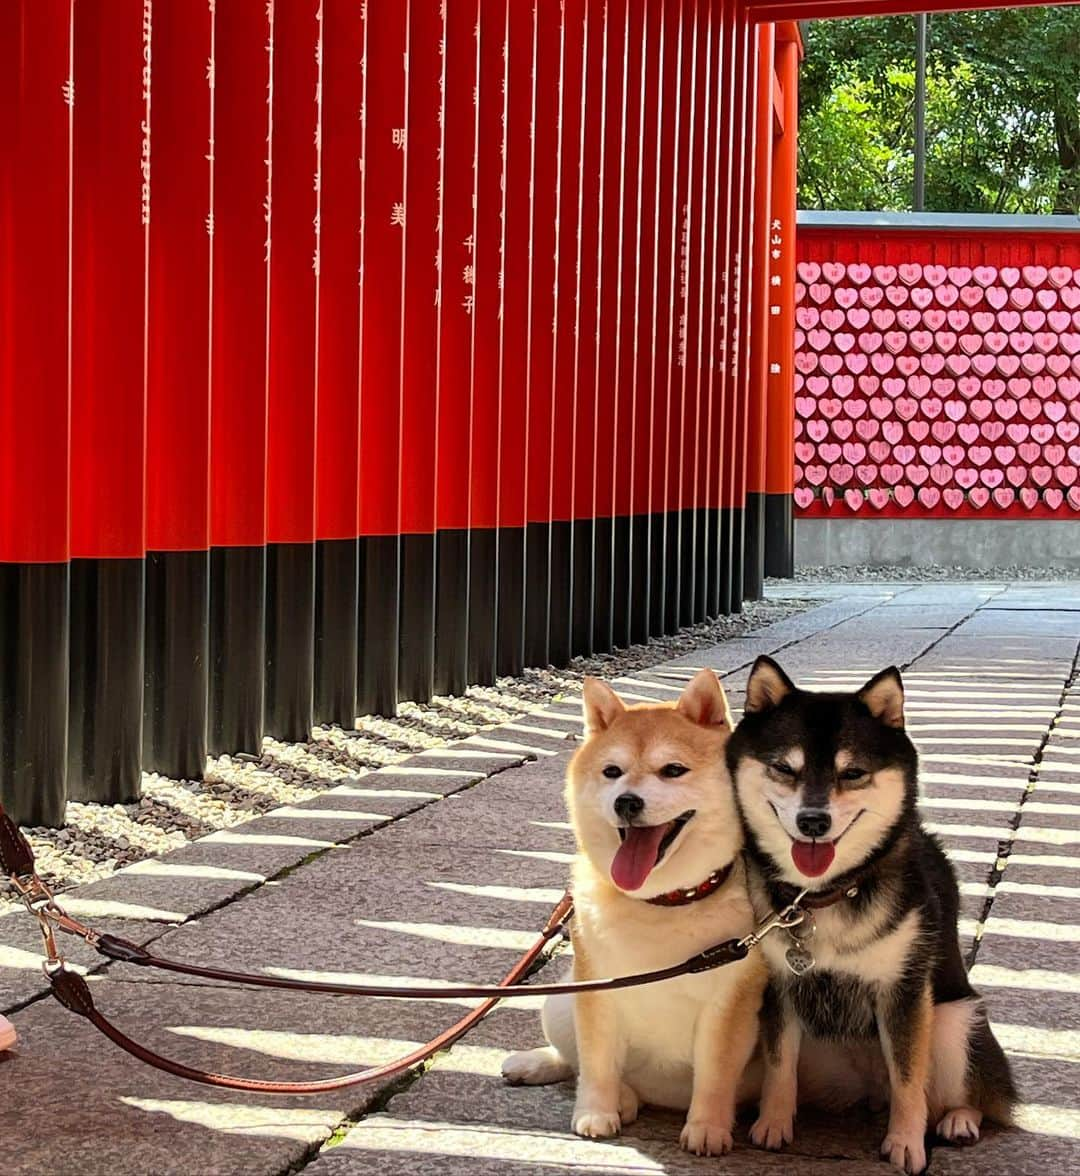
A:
{"x":936,"y":390}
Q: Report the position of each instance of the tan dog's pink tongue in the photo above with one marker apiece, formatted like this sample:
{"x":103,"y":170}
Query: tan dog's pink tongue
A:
{"x":637,"y":855}
{"x":812,"y":857}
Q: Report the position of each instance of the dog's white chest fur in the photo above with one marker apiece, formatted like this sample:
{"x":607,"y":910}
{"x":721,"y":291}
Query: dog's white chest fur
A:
{"x":657,"y":1022}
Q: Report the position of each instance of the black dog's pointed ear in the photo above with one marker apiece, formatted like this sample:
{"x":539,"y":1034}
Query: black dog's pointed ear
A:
{"x":766,"y":687}
{"x":883,"y":696}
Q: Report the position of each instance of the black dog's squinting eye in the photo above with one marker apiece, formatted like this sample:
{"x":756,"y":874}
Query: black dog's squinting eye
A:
{"x":612,"y":771}
{"x":673,"y":771}
{"x":783,"y":768}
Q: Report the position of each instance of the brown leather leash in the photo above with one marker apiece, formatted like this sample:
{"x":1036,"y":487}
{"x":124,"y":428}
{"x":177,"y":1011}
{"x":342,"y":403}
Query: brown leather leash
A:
{"x":72,"y":991}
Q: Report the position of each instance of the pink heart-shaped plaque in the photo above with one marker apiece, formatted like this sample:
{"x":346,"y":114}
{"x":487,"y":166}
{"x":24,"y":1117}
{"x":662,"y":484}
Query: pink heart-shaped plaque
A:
{"x":954,"y":499}
{"x":903,"y":495}
{"x":1029,"y":497}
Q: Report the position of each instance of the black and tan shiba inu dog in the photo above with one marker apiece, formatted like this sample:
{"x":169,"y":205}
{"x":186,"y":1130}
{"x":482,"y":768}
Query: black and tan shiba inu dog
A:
{"x":872,"y":983}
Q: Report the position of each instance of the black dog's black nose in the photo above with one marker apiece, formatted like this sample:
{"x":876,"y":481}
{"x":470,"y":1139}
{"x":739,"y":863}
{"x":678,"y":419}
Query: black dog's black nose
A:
{"x":629,"y":805}
{"x":813,"y":822}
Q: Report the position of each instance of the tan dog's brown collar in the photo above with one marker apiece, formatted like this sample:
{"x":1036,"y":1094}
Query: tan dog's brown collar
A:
{"x":711,"y":884}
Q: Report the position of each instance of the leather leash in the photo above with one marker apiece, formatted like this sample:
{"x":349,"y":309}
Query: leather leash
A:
{"x":72,"y":991}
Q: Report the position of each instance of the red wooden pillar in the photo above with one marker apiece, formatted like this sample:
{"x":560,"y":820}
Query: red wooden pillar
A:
{"x":708,"y":32}
{"x":457,"y":296}
{"x":547,"y":81}
{"x":420,"y":344}
{"x":292,"y":390}
{"x":35,"y":206}
{"x":608,"y":25}
{"x":586,"y":304}
{"x":662,"y":546}
{"x":178,"y":393}
{"x":780,"y":440}
{"x":643,"y":534}
{"x":488,"y":329}
{"x":754,"y":565}
{"x":564,"y":399}
{"x":110,"y":213}
{"x":384,"y":219}
{"x":516,"y":247}
{"x":337,"y":419}
{"x":243,"y":47}
{"x":620,"y":287}
{"x":695,"y":65}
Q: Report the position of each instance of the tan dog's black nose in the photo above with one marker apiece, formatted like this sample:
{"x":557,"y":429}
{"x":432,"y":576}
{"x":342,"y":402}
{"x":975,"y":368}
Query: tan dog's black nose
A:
{"x":628,"y":806}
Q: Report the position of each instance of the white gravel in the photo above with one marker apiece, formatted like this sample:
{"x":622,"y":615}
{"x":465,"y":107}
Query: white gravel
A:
{"x":907,"y":573}
{"x":99,"y":839}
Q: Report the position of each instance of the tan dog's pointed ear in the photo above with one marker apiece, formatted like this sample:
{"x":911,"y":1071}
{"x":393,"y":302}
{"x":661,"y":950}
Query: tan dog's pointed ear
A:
{"x":883,"y":696}
{"x":704,"y":701}
{"x":767,"y":686}
{"x":601,"y":705}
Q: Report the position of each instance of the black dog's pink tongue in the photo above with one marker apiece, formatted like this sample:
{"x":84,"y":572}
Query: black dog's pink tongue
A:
{"x":637,"y":855}
{"x":812,"y":857}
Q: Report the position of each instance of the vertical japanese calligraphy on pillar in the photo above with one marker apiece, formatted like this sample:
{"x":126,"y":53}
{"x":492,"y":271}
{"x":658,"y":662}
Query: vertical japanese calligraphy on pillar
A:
{"x":458,"y":157}
{"x":382,"y":326}
{"x":419,"y":346}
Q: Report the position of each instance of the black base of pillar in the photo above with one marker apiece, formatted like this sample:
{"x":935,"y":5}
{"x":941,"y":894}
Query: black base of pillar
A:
{"x":560,"y":646}
{"x":738,"y":558}
{"x":416,"y":667}
{"x":175,"y":680}
{"x":603,"y":625}
{"x":640,"y":578}
{"x":237,"y":650}
{"x":701,"y":565}
{"x":621,"y":590}
{"x":105,"y":696}
{"x":754,"y":546}
{"x":290,"y":640}
{"x":337,"y":607}
{"x":537,"y":594}
{"x":779,"y":537}
{"x":658,"y":574}
{"x":687,"y":567}
{"x":380,"y":572}
{"x":583,"y":574}
{"x":724,"y":541}
{"x":450,"y":675}
{"x":34,"y":692}
{"x":510,"y":636}
{"x":483,"y":573}
{"x":673,"y":571}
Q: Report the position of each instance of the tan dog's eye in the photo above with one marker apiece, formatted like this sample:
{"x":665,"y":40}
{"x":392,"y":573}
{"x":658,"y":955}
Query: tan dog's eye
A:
{"x":612,"y":772}
{"x":850,"y":774}
{"x":673,"y":771}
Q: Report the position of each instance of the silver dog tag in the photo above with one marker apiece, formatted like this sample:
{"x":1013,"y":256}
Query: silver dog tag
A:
{"x":799,"y":960}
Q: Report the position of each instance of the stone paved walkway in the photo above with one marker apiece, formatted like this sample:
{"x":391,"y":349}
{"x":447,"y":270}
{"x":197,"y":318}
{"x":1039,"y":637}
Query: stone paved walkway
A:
{"x":444,"y":866}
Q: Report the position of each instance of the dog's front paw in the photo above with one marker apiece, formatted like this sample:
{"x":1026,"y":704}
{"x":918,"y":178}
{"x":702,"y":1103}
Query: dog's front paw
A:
{"x":594,"y":1124}
{"x":706,"y":1139}
{"x":906,"y":1151}
{"x":960,"y":1125}
{"x":772,"y":1131}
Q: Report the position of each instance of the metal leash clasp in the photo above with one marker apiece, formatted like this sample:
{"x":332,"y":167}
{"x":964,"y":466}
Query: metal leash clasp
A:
{"x":40,"y":901}
{"x":791,"y":916}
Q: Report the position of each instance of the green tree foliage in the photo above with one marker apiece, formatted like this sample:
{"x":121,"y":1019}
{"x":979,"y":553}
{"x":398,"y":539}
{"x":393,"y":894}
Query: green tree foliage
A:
{"x":1002,"y":117}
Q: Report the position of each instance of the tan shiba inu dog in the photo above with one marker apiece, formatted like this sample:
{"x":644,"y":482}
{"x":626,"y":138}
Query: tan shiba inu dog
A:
{"x":657,"y":879}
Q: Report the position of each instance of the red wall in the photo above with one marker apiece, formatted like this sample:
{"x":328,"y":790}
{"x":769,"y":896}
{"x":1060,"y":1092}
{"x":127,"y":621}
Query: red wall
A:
{"x":937,"y":373}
